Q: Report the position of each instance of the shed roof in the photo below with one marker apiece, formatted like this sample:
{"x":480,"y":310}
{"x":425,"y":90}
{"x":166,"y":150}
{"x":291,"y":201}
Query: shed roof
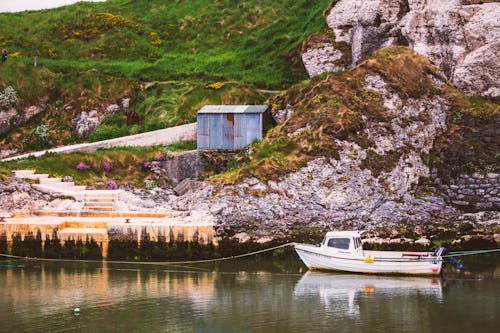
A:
{"x":233,"y":109}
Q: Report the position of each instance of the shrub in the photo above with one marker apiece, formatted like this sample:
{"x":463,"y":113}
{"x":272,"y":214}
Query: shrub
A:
{"x":8,"y":98}
{"x":215,"y":85}
{"x":40,"y":134}
{"x":150,"y":184}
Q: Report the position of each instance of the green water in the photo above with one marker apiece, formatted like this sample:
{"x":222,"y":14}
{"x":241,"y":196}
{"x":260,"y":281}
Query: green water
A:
{"x":244,"y":296}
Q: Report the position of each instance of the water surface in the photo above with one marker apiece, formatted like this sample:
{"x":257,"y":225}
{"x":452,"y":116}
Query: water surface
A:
{"x":243,"y":296}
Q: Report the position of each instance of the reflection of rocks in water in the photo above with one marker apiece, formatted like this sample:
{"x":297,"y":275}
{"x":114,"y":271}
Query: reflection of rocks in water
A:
{"x":341,"y":292}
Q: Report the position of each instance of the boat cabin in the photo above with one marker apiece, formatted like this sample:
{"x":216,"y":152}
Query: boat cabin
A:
{"x":343,"y":242}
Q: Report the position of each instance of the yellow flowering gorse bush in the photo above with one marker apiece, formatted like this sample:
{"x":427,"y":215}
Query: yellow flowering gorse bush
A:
{"x":215,"y":85}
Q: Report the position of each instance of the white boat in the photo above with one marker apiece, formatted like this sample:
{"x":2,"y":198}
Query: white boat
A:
{"x":343,"y":251}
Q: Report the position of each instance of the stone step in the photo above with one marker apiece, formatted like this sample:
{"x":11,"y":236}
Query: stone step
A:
{"x":97,"y":209}
{"x":78,"y":195}
{"x":46,"y":189}
{"x":98,"y":204}
{"x":29,"y":174}
{"x":67,"y":186}
{"x":23,"y":173}
{"x":93,"y":197}
{"x":60,"y":188}
{"x":50,"y":181}
{"x":79,"y":188}
{"x":101,"y":199}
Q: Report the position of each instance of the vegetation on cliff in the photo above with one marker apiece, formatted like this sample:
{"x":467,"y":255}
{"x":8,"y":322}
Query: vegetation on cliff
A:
{"x":331,"y":106}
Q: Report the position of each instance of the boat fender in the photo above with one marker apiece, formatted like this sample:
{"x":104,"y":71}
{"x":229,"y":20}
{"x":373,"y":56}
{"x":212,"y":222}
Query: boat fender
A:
{"x":369,"y":259}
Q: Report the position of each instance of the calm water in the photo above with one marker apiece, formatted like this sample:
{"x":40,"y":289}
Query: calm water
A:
{"x":244,"y":296}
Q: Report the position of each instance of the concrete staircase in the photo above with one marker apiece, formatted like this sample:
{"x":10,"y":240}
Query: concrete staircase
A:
{"x":101,"y":203}
{"x":93,"y":200}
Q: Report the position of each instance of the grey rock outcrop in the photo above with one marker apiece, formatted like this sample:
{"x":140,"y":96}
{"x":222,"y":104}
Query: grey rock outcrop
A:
{"x":322,"y":59}
{"x":12,"y":117}
{"x":461,"y":37}
{"x":20,"y":196}
{"x":349,"y":191}
{"x":86,"y":122}
{"x":186,"y":165}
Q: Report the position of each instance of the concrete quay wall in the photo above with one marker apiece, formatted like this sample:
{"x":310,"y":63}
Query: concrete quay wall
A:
{"x":104,"y":230}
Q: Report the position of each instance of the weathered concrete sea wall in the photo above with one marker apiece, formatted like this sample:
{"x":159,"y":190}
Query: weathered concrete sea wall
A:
{"x":103,"y":232}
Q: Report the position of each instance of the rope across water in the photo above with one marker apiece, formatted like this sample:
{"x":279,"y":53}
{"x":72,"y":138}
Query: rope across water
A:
{"x":166,"y":263}
{"x":151,"y":262}
{"x":469,"y":253}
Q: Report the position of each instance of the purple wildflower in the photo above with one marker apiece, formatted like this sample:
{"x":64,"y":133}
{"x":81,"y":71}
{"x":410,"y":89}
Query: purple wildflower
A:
{"x":146,"y":165}
{"x":82,"y":166}
{"x":156,"y":163}
{"x":161,"y":157}
{"x":111,"y":185}
{"x":107,"y":166}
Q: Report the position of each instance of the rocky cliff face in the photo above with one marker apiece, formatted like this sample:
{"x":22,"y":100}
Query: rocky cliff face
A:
{"x":461,"y":36}
{"x":366,"y":138}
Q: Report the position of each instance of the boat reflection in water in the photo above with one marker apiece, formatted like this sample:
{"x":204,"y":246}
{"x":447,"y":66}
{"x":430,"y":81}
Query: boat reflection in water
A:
{"x":341,"y":292}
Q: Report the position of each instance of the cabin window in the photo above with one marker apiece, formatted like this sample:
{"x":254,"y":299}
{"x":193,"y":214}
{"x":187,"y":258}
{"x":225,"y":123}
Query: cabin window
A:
{"x":339,"y":243}
{"x":357,"y":243}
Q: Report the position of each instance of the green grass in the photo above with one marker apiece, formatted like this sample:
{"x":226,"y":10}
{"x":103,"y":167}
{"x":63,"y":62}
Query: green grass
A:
{"x":127,"y":164}
{"x":162,"y":54}
{"x":254,"y":41}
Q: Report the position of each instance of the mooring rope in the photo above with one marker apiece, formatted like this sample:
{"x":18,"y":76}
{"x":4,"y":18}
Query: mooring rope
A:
{"x":469,"y":253}
{"x":166,"y":263}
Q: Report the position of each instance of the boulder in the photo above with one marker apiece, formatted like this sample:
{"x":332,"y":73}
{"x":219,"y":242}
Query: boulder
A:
{"x":461,"y":37}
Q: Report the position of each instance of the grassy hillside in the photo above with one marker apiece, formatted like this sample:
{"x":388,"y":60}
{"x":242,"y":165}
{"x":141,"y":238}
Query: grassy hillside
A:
{"x":253,"y":41}
{"x":165,"y":55}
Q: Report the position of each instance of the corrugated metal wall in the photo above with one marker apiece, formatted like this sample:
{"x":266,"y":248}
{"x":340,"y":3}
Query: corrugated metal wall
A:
{"x":230,"y":131}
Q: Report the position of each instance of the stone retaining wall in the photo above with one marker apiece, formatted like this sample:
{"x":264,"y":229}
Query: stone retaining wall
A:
{"x":473,"y":192}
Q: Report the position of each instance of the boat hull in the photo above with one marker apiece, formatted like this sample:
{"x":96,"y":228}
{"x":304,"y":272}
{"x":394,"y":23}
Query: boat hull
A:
{"x":378,"y":262}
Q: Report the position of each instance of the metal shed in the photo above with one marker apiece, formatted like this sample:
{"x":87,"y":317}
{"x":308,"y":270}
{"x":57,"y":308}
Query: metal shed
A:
{"x":229,"y":127}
